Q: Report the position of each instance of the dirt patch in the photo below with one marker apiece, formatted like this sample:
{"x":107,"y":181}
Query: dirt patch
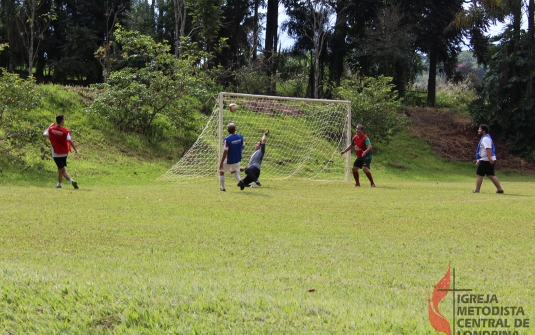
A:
{"x":86,"y":94}
{"x":451,"y":136}
{"x":272,"y":108}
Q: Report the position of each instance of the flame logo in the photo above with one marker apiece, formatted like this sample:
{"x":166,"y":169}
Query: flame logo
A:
{"x":438,"y":321}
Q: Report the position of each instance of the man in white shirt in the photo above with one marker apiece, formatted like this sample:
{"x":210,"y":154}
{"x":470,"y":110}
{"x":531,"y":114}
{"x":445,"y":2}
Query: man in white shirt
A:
{"x":486,"y":159}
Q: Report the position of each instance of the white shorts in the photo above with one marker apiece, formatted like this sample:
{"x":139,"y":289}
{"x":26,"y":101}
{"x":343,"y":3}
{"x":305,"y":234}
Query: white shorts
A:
{"x":230,"y":167}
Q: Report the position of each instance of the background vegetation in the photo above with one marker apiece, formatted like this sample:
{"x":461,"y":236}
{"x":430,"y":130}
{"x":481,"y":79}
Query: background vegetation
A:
{"x":235,"y":46}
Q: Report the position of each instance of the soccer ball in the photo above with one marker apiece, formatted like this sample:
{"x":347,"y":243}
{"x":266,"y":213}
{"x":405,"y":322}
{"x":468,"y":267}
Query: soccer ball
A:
{"x":233,"y":107}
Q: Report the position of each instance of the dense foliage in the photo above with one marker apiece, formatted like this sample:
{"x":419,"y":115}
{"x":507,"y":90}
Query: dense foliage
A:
{"x":506,"y":100}
{"x":373,"y":104}
{"x":154,"y":93}
{"x":18,"y":129}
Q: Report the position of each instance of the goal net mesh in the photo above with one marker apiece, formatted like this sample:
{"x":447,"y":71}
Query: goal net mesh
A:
{"x":305,"y":137}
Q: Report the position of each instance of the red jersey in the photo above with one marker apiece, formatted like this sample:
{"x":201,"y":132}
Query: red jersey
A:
{"x":58,"y":139}
{"x":360,"y":145}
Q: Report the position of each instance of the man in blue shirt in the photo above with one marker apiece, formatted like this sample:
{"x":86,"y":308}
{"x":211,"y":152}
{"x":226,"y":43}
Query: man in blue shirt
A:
{"x":230,"y":161}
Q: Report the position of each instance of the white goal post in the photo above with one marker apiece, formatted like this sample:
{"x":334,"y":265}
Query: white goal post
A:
{"x":305,"y":138}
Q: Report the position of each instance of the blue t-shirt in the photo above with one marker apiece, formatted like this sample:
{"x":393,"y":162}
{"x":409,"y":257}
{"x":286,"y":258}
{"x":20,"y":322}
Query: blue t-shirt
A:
{"x":234,"y":144}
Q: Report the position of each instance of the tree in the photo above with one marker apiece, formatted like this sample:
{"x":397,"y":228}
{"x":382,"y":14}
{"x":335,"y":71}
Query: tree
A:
{"x":436,"y":37}
{"x":389,"y":44}
{"x":33,"y":19}
{"x":17,"y":130}
{"x":374,"y":103}
{"x":271,"y":41}
{"x":154,"y":97}
{"x":103,"y":53}
{"x":313,"y":21}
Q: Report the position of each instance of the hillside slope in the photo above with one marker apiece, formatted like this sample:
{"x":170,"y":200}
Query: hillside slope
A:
{"x":452,"y":137}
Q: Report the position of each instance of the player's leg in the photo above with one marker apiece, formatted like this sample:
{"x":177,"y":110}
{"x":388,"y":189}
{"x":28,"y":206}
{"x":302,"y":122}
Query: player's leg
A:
{"x":493,"y":178}
{"x":479,"y":181}
{"x":356,"y":165}
{"x":60,"y":177}
{"x":496,"y":183}
{"x":251,"y":175}
{"x":236,"y":174}
{"x":366,"y":168}
{"x":222,"y":178}
{"x":61,"y":163}
{"x":480,"y":173}
{"x":257,"y":182}
{"x":66,"y":174}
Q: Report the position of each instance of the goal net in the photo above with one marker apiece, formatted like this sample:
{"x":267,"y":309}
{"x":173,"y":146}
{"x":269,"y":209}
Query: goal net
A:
{"x":305,"y":137}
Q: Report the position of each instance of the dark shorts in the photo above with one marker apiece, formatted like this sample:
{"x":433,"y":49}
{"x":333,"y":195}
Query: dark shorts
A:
{"x":484,"y":168}
{"x":61,"y":162}
{"x":253,"y":171}
{"x":359,"y":162}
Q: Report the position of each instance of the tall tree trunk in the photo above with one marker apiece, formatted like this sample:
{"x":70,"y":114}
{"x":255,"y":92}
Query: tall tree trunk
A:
{"x":39,"y":67}
{"x":272,"y":25}
{"x":31,"y":18}
{"x":531,"y":38}
{"x":317,"y":74}
{"x":338,"y":44}
{"x":255,"y":29}
{"x":432,"y":81}
{"x":178,"y":15}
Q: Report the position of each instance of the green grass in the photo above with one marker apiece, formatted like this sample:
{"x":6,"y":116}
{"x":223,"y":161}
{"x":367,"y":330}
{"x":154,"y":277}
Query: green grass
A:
{"x":185,"y":258}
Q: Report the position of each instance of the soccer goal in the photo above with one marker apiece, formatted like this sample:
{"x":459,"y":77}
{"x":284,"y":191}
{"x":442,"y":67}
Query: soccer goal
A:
{"x":305,"y":137}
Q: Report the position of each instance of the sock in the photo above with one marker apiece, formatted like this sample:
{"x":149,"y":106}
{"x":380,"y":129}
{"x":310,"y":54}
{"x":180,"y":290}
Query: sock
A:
{"x":72,"y":180}
{"x":356,"y":176}
{"x":369,"y":175}
{"x":222,"y":181}
{"x":59,"y":184}
{"x":236,"y":175}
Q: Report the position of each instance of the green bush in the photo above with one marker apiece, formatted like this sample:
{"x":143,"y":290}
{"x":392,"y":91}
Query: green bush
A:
{"x":18,"y":129}
{"x":374,"y":104}
{"x":156,"y":92}
{"x":457,"y":96}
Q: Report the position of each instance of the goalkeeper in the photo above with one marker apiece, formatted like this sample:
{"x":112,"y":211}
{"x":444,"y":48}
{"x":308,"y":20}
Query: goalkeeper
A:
{"x":253,"y":169}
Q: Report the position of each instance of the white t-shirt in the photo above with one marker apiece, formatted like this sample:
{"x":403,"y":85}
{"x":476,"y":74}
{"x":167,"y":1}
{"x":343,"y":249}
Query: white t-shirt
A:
{"x":54,"y":154}
{"x":486,"y":142}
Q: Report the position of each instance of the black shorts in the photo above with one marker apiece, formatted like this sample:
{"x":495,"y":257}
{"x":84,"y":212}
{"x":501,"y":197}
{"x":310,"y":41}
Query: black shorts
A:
{"x":61,"y":162}
{"x":484,"y":168}
{"x":360,"y":162}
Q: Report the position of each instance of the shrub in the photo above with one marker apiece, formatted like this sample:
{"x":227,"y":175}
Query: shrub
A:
{"x":18,"y":130}
{"x":155,"y":92}
{"x":374,"y":104}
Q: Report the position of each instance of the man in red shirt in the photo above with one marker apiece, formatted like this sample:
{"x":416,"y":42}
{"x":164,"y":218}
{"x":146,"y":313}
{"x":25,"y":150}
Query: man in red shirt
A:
{"x":363,"y":149}
{"x":61,"y":141}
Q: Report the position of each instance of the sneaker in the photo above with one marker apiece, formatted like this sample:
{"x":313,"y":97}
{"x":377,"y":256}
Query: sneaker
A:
{"x":75,"y":185}
{"x":222,"y":190}
{"x":499,"y":191}
{"x":258,"y":183}
{"x":475,"y":191}
{"x":241,"y":185}
{"x":58,"y":186}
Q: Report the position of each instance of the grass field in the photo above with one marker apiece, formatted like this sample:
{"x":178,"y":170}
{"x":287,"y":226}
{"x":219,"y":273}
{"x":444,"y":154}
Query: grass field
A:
{"x":291,"y":257}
